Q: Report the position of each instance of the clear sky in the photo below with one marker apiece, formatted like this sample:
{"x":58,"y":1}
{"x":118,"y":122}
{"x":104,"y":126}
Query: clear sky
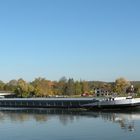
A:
{"x":83,"y":39}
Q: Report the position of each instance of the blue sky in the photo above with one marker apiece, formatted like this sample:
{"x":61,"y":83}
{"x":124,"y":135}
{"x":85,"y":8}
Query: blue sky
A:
{"x":83,"y":39}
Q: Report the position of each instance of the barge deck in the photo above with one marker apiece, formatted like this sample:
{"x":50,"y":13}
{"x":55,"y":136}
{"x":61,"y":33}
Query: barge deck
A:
{"x":45,"y":102}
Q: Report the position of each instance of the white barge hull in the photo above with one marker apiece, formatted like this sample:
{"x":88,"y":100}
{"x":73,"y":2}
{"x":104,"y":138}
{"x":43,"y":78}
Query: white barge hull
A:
{"x":119,"y":102}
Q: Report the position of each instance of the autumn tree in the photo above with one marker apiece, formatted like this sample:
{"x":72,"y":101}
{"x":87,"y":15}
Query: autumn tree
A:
{"x":121,"y":85}
{"x":22,"y":88}
{"x":42,"y":87}
{"x":85,"y":86}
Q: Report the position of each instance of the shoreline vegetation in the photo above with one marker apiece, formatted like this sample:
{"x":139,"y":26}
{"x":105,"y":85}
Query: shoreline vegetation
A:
{"x":41,"y":87}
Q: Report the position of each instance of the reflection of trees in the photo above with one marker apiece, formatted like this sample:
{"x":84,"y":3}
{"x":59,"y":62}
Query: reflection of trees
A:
{"x":40,"y":118}
{"x":65,"y":116}
{"x":127,"y":126}
{"x":18,"y":117}
{"x":1,"y":117}
{"x":125,"y":120}
{"x":65,"y":119}
{"x":13,"y":117}
{"x":21,"y":116}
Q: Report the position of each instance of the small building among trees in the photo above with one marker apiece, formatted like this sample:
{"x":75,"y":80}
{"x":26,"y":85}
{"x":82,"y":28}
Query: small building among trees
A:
{"x":101,"y":92}
{"x":4,"y":94}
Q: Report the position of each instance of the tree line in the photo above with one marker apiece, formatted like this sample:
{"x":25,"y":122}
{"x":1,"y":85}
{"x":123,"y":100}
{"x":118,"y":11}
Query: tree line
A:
{"x":41,"y":87}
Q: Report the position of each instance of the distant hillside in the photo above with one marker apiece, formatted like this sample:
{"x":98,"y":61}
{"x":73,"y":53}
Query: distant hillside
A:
{"x":103,"y":82}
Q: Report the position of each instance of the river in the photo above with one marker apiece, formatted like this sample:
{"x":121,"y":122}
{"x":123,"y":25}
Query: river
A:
{"x":53,"y":124}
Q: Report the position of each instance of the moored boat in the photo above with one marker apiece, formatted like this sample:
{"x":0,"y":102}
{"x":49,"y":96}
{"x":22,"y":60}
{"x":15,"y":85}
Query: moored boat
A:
{"x":114,"y":103}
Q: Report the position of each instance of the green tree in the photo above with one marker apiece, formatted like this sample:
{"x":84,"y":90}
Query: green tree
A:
{"x":11,"y":85}
{"x":78,"y":88}
{"x":2,"y":84}
{"x":70,"y":88}
{"x":61,"y":86}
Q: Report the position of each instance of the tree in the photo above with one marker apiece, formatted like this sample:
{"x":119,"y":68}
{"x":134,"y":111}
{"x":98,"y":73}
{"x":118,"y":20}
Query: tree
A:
{"x":31,"y":90}
{"x":42,"y":87}
{"x":2,"y":84}
{"x":62,"y":85}
{"x":22,"y":89}
{"x":69,"y":89}
{"x":11,"y":85}
{"x":63,"y":79}
{"x":121,"y":85}
{"x":78,"y":88}
{"x":85,"y":87}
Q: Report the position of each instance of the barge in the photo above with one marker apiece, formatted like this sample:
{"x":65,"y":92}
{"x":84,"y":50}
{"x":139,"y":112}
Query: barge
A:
{"x":114,"y":103}
{"x":45,"y":102}
{"x":87,"y":103}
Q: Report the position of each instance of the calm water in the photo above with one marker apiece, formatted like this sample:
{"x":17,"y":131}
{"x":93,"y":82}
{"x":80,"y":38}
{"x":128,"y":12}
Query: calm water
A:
{"x":68,"y":125}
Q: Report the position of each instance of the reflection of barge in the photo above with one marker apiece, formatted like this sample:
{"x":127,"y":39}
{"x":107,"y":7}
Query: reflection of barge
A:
{"x":114,"y":103}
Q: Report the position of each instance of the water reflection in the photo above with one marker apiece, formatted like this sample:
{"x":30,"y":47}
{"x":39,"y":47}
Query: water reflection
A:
{"x":126,"y":120}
